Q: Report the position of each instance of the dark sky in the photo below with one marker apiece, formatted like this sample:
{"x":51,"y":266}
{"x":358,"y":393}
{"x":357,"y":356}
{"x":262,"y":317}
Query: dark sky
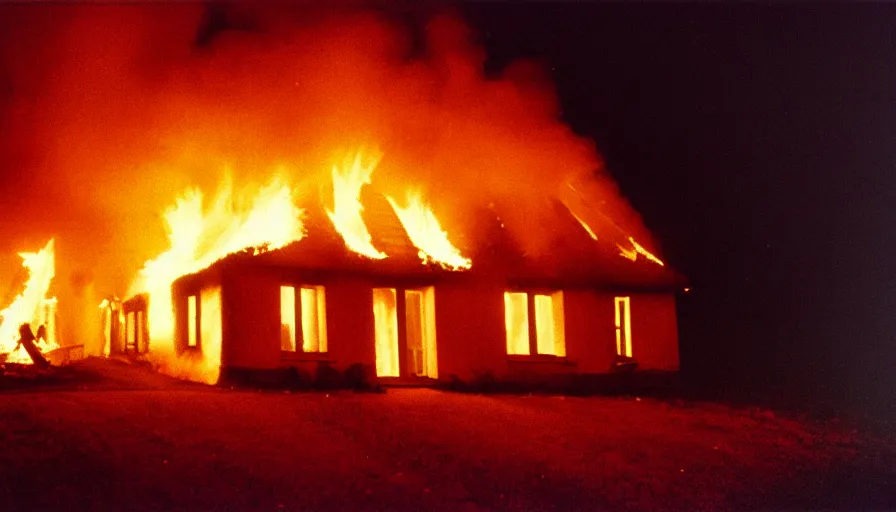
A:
{"x":757,"y":142}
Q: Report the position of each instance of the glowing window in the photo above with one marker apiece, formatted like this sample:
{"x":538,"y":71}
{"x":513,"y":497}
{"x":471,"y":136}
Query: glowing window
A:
{"x":516,"y":322}
{"x":192,"y":322}
{"x":140,"y":327}
{"x":622,"y":306}
{"x":210,"y":325}
{"x":385,"y":319}
{"x":545,"y":311}
{"x":314,"y":319}
{"x":549,"y":335}
{"x":420,"y":332}
{"x":414,"y":337}
{"x":131,"y":328}
{"x":288,"y":318}
{"x":311,"y":334}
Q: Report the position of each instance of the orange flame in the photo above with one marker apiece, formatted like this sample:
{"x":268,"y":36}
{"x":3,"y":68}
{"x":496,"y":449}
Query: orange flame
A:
{"x":643,"y":252}
{"x":347,"y":208}
{"x":199,"y":237}
{"x":637,"y":249}
{"x":26,"y":307}
{"x":424,"y":230}
{"x":591,"y":232}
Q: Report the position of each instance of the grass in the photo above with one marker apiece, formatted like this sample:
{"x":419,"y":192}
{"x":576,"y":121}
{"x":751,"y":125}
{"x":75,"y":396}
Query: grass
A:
{"x":128,"y":439}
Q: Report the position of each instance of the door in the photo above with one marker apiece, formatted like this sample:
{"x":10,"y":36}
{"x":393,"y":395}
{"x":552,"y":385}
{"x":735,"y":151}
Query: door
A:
{"x":407,"y":348}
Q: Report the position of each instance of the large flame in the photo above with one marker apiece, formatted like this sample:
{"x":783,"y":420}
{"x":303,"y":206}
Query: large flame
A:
{"x":347,"y":208}
{"x":26,"y":307}
{"x":199,"y":237}
{"x":424,"y":230}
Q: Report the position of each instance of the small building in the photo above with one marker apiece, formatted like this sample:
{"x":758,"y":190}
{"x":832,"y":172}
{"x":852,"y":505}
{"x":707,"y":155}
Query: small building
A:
{"x":577,"y":308}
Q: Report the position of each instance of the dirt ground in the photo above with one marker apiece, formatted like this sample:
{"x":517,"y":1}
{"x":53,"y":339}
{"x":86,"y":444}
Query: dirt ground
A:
{"x":128,"y":439}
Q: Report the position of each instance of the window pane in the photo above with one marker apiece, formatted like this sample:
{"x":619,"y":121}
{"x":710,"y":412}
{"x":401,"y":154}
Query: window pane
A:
{"x":414,"y":332}
{"x":544,"y":325}
{"x":623,"y":326}
{"x":516,"y":323}
{"x":549,"y":324}
{"x":139,"y":326}
{"x":210,"y":333}
{"x":314,"y":320}
{"x":385,"y":319}
{"x":420,"y":332}
{"x":288,"y":318}
{"x":192,"y":335}
{"x":132,"y":333}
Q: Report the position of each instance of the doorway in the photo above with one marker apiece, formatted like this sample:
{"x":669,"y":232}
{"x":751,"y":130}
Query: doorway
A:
{"x":406,"y":348}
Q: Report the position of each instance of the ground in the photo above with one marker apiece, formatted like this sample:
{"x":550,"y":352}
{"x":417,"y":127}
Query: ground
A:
{"x":128,"y":439}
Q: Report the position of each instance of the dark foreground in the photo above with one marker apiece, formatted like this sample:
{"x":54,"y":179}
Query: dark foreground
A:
{"x":136,"y":441}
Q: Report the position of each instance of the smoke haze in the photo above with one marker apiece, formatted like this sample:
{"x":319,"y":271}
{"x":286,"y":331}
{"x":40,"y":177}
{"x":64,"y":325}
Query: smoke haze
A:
{"x":108,"y":112}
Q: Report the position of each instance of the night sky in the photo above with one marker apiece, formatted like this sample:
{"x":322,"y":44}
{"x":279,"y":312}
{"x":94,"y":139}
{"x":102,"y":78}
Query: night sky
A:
{"x":757,"y":143}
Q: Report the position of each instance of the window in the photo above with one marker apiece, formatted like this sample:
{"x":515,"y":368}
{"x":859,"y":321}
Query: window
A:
{"x":516,"y":322}
{"x":131,"y":328}
{"x":303,"y":322}
{"x":210,"y":328}
{"x":192,"y":322}
{"x":420,"y":332}
{"x":533,"y":323}
{"x":140,"y":326}
{"x":623,"y":326}
{"x":407,"y":348}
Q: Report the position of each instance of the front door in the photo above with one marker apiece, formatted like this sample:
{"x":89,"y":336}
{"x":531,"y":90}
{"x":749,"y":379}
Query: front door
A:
{"x":406,"y":348}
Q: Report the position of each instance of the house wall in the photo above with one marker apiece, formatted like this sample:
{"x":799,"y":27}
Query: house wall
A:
{"x":470,"y":335}
{"x":470,"y":330}
{"x":654,"y":331}
{"x":590,"y":330}
{"x":251,"y":323}
{"x":251,"y":298}
{"x":350,"y":335}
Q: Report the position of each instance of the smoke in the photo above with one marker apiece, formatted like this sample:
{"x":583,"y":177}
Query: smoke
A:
{"x":108,"y":112}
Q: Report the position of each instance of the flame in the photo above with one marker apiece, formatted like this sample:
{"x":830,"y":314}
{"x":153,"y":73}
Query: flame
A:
{"x":642,"y":251}
{"x":347,"y":208}
{"x":20,"y":355}
{"x":424,"y":230}
{"x":637,"y":249}
{"x":591,"y":232}
{"x":629,"y":254}
{"x":199,"y":237}
{"x":26,"y":307}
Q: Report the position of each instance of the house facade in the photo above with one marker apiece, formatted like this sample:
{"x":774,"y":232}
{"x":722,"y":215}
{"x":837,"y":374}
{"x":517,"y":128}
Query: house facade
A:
{"x":577,"y":309}
{"x":418,"y":328}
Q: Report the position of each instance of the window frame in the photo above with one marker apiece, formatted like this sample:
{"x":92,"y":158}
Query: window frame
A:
{"x":429,"y":332}
{"x":623,"y":323}
{"x":197,"y":322}
{"x":531,"y":293}
{"x":299,"y":353}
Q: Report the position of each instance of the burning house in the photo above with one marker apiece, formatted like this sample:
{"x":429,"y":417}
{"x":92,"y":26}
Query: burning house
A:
{"x":377,"y":282}
{"x":389,"y":200}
